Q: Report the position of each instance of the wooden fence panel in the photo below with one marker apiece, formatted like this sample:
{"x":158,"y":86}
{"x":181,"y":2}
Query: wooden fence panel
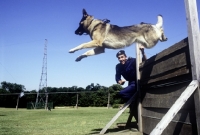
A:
{"x":174,"y":128}
{"x":163,"y":78}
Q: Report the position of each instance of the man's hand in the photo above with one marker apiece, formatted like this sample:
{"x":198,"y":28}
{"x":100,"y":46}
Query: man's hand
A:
{"x":121,"y":82}
{"x":144,"y":57}
{"x":141,"y":48}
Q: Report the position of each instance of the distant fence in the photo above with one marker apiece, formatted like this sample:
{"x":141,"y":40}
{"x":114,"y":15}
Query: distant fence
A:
{"x":31,"y":105}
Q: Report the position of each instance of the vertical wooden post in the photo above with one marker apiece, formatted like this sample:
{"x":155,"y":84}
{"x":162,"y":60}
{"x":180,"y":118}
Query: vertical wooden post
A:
{"x":194,"y":46}
{"x":193,"y":37}
{"x":138,"y":61}
{"x":17,"y":102}
{"x":108,"y":99}
{"x":46,"y":102}
{"x":76,"y":100}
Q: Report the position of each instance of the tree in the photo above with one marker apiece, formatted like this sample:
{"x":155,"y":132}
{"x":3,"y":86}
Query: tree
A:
{"x":3,"y":97}
{"x":12,"y":87}
{"x":10,"y":100}
{"x":114,"y":90}
{"x":93,"y":87}
{"x":97,"y":95}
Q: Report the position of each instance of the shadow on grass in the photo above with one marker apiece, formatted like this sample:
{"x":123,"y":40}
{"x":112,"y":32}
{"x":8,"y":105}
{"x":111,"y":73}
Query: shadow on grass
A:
{"x":2,"y":115}
{"x":119,"y":127}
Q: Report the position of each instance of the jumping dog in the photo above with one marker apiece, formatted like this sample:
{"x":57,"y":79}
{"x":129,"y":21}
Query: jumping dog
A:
{"x":105,"y":35}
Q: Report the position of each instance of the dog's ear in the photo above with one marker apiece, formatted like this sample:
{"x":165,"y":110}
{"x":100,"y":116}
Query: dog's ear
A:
{"x":85,"y":13}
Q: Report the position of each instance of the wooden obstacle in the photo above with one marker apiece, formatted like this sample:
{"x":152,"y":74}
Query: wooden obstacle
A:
{"x":164,"y":77}
{"x":187,"y":121}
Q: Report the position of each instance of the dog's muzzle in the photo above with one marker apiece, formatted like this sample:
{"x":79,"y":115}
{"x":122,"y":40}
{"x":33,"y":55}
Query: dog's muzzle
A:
{"x":78,"y":33}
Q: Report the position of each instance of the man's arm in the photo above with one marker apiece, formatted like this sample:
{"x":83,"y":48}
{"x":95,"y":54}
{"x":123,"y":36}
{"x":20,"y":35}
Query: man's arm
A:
{"x":118,"y":77}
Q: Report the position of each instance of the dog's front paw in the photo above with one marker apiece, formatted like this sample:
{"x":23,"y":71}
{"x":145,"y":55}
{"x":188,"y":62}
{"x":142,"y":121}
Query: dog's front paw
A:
{"x":80,"y":57}
{"x":71,"y":51}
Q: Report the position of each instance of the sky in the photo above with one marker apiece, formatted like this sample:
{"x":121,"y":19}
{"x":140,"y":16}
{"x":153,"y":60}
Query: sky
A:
{"x":25,"y":24}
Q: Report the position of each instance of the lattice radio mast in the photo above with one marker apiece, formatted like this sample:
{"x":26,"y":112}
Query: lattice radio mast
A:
{"x":43,"y":80}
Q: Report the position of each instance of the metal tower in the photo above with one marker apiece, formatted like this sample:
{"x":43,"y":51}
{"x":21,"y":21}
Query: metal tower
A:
{"x":43,"y":80}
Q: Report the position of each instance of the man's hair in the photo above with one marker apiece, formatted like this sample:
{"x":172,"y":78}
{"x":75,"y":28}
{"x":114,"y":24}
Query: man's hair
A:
{"x":120,"y":53}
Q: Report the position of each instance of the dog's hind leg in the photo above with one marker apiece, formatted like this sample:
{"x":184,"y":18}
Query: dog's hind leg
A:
{"x":91,"y":52}
{"x":91,"y":44}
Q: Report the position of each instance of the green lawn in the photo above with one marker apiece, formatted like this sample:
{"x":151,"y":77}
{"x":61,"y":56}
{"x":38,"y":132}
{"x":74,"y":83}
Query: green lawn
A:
{"x":67,"y":121}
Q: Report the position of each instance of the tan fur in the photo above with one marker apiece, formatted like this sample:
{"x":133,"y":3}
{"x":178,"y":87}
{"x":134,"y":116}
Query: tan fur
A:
{"x":105,"y":35}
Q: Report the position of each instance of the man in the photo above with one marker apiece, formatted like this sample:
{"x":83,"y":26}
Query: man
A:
{"x":127,"y":68}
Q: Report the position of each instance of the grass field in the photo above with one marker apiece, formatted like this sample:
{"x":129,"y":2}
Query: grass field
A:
{"x":67,"y":121}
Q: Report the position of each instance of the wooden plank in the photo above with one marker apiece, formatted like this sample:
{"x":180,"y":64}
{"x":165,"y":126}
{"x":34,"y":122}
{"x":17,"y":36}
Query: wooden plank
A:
{"x":172,"y":63}
{"x":169,"y":75}
{"x":165,"y":102}
{"x":175,"y":108}
{"x":171,"y":90}
{"x":174,"y":128}
{"x":118,"y":114}
{"x":193,"y":37}
{"x":162,"y":90}
{"x":138,"y":61}
{"x":174,"y":49}
{"x":184,"y":115}
{"x":17,"y":102}
{"x":181,"y":46}
{"x":177,"y":61}
{"x":194,"y":47}
{"x":171,"y":82}
{"x":144,"y":85}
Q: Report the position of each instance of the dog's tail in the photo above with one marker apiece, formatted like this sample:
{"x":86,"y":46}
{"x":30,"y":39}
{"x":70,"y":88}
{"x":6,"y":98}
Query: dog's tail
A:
{"x":160,"y":21}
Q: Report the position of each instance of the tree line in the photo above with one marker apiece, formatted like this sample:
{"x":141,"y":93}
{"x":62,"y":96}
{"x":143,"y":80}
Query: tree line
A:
{"x":93,"y":95}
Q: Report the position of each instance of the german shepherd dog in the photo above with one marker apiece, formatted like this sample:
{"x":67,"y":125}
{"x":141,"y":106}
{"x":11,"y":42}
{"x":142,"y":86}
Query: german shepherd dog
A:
{"x":105,"y":35}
